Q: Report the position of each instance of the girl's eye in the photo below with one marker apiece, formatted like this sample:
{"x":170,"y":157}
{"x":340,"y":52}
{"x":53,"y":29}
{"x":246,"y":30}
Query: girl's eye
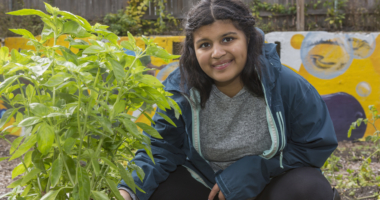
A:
{"x":204,"y":45}
{"x":228,"y":39}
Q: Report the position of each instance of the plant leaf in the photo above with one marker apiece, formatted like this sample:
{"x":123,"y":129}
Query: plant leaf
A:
{"x":26,"y":190}
{"x":28,"y":158}
{"x":6,"y":83}
{"x":70,"y":164}
{"x":131,"y":127}
{"x":45,"y":138}
{"x":39,"y":109}
{"x":52,"y":194}
{"x":167,"y":119}
{"x":24,"y":147}
{"x":159,"y":52}
{"x":93,"y":49}
{"x":69,"y":144}
{"x":119,"y":107}
{"x":109,"y":162}
{"x":24,"y":33}
{"x":32,"y":174}
{"x":84,"y":186}
{"x":4,"y":53}
{"x":57,"y":79}
{"x":3,"y":158}
{"x":127,"y":177}
{"x":15,"y":183}
{"x":118,"y":70}
{"x":149,"y":130}
{"x":127,"y":45}
{"x":15,"y":144}
{"x":95,"y":165}
{"x":29,"y":121}
{"x":29,"y":12}
{"x":174,"y":105}
{"x":149,"y":118}
{"x":114,"y":189}
{"x":131,"y":39}
{"x":74,"y":28}
{"x":140,"y":172}
{"x":30,"y":91}
{"x":56,"y":171}
{"x":7,"y":116}
{"x":97,"y":195}
{"x":38,"y":160}
{"x":151,"y":81}
{"x":20,"y":169}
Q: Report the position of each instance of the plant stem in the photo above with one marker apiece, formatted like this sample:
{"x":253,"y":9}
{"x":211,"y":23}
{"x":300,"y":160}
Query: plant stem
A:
{"x":23,"y":97}
{"x":64,"y":161}
{"x":79,"y":128}
{"x":88,"y":106}
{"x":52,"y":67}
{"x":367,"y":197}
{"x":136,"y":57}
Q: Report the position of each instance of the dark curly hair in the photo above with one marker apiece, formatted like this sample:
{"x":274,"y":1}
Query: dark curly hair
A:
{"x":204,"y":13}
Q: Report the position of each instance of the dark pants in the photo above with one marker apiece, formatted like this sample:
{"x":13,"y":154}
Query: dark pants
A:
{"x":303,"y":183}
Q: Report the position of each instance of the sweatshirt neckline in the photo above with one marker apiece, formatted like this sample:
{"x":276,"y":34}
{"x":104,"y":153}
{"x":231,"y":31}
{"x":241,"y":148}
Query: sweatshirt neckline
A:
{"x":221,"y":95}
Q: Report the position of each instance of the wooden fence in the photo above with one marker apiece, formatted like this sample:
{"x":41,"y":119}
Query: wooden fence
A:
{"x":97,"y":9}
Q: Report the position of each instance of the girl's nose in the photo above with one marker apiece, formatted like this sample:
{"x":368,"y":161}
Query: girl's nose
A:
{"x":218,"y":52}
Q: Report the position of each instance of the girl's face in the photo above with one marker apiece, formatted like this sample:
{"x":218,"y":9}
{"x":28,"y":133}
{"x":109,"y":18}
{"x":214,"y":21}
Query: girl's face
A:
{"x":221,"y":50}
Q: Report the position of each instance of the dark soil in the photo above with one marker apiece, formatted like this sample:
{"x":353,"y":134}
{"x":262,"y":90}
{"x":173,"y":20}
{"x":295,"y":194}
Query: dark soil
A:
{"x":350,"y":157}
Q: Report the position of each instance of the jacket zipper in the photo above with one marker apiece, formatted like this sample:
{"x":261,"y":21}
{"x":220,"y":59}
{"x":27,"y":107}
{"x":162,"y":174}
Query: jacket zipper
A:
{"x":272,"y":130}
{"x":282,"y":126}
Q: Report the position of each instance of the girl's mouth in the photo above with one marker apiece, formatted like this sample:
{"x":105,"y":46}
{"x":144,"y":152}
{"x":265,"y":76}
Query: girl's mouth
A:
{"x":222,"y":66}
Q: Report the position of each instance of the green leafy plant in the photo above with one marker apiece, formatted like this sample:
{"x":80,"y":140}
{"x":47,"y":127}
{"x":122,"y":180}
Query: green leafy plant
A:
{"x":274,"y":8}
{"x":78,"y":136}
{"x":335,"y":16}
{"x":131,"y":19}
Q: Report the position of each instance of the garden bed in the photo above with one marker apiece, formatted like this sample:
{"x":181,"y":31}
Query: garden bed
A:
{"x":350,"y":157}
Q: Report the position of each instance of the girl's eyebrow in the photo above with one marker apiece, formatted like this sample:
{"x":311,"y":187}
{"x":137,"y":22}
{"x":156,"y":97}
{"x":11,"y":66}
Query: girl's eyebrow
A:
{"x":229,"y":33}
{"x":224,"y":35}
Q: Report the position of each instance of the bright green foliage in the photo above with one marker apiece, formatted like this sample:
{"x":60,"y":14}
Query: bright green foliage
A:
{"x":74,"y":111}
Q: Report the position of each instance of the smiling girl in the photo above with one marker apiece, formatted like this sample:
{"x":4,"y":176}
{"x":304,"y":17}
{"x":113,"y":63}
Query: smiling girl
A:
{"x":250,"y":128}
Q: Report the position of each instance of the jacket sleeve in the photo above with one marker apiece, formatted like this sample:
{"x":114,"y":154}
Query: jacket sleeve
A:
{"x":310,"y":141}
{"x":167,"y":154}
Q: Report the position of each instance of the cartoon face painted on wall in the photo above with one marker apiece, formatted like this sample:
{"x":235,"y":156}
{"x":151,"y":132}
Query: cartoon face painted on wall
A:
{"x":324,"y":55}
{"x":344,"y":68}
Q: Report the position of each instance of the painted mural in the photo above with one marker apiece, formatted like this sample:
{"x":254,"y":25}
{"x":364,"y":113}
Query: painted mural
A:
{"x":343,"y":67}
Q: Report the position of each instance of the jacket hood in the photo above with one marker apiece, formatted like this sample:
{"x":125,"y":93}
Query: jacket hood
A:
{"x":270,"y":68}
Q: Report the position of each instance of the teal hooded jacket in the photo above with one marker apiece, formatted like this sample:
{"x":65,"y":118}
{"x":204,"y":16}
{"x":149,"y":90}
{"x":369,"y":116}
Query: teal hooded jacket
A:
{"x":300,"y":126}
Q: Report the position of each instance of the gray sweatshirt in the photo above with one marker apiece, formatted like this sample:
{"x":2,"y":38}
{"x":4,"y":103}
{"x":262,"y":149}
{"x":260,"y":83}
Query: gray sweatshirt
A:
{"x":231,"y":128}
